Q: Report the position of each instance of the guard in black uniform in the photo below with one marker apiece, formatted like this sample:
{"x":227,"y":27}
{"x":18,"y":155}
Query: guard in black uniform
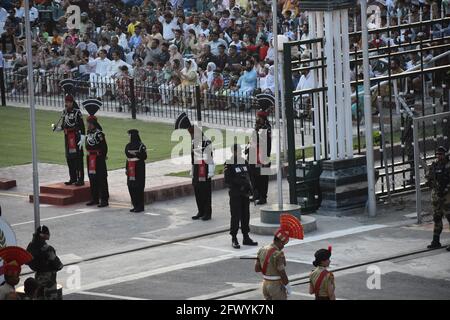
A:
{"x":202,"y":166}
{"x":74,"y":135}
{"x":237,"y":179}
{"x":136,"y":154}
{"x":96,"y":159}
{"x":260,"y":148}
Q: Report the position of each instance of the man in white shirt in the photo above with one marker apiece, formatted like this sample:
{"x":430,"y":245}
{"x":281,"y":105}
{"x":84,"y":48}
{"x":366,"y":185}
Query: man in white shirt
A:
{"x":169,"y":23}
{"x":3,"y":17}
{"x":88,"y":45}
{"x":99,"y":78}
{"x":215,"y":43}
{"x":34,"y":13}
{"x":305,"y":83}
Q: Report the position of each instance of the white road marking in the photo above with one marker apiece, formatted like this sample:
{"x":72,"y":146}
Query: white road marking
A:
{"x":152,"y":214}
{"x":80,"y":211}
{"x":105,"y":295}
{"x":302,"y":294}
{"x":183,"y":244}
{"x":201,"y":262}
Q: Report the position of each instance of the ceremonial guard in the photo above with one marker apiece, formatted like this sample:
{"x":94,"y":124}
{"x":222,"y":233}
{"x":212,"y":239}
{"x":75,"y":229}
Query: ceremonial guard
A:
{"x":237,"y":179}
{"x":74,"y":135}
{"x":13,"y":259}
{"x":202,"y":166}
{"x":45,"y":263}
{"x":260,"y":148}
{"x":438,"y":178}
{"x":136,"y":154}
{"x":321,"y":281}
{"x":96,"y":159}
{"x":271,"y":262}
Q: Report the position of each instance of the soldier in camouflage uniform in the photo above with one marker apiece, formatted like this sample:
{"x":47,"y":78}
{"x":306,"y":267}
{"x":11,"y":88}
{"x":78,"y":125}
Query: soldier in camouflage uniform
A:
{"x":45,"y":263}
{"x":439,"y":180}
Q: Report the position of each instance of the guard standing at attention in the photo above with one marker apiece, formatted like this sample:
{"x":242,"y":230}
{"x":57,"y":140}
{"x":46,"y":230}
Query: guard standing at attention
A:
{"x":237,"y":178}
{"x":97,"y":149}
{"x":260,"y":148}
{"x":136,"y":153}
{"x":438,"y":178}
{"x":74,"y":135}
{"x":202,"y":166}
{"x":321,"y":281}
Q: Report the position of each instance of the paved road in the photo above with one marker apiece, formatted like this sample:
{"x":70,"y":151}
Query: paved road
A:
{"x":132,"y":256}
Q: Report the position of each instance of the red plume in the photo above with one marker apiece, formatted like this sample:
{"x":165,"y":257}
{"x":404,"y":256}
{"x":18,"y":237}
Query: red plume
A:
{"x":292,"y":225}
{"x":329,"y":248}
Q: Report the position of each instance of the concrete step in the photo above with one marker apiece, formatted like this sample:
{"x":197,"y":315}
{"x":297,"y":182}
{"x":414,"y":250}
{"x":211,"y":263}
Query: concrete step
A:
{"x":6,"y":184}
{"x":61,"y":195}
{"x":61,"y":188}
{"x":54,"y":199}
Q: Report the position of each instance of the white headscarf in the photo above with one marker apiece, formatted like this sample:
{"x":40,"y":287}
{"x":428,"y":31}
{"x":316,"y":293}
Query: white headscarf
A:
{"x":210,"y":73}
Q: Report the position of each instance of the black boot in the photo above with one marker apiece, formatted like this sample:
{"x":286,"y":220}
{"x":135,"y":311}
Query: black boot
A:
{"x":92,"y":203}
{"x":198,"y":216}
{"x":435,"y":244}
{"x":70,"y":182}
{"x":103,"y":204}
{"x":235,"y":243}
{"x":448,"y":248}
{"x":261,"y":201}
{"x":206,"y":218}
{"x":79,"y":183}
{"x":249,"y":242}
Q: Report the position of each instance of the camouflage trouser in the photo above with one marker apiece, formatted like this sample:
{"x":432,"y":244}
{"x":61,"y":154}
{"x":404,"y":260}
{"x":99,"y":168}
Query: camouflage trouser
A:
{"x":441,"y":208}
{"x":48,"y":281}
{"x":274,"y":290}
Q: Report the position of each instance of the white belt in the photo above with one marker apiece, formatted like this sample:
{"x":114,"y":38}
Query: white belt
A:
{"x":133,"y":159}
{"x":271,"y":278}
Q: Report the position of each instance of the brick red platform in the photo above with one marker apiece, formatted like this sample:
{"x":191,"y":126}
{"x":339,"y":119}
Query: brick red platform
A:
{"x":6,"y":184}
{"x":61,"y":195}
{"x":178,"y":190}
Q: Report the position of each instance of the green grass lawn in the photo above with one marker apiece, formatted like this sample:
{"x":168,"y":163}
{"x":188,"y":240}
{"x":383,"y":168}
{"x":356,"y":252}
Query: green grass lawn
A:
{"x":15,"y":138}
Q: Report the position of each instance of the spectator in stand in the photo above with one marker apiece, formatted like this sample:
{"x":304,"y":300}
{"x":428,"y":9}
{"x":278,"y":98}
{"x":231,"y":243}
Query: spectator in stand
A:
{"x":169,"y":24}
{"x":215,"y":43}
{"x":87,"y":44}
{"x":115,"y":47}
{"x":174,"y":54}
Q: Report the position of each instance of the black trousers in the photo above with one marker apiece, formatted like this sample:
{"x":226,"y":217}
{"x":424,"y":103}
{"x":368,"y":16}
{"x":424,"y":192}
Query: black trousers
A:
{"x":99,"y":182}
{"x":240,"y":214}
{"x":76,"y":169}
{"x":262,"y":185}
{"x":203,"y":197}
{"x":137,"y":196}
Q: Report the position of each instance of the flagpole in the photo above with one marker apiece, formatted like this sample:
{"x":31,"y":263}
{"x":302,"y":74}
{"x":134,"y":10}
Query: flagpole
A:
{"x":277,"y":103}
{"x":32,"y":114}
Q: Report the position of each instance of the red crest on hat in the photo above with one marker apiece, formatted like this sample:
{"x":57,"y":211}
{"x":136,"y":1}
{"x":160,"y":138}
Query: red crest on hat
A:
{"x":292,"y":226}
{"x":13,"y":258}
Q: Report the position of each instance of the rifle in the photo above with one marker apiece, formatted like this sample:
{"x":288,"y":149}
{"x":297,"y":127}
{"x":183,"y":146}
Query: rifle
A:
{"x":54,"y":127}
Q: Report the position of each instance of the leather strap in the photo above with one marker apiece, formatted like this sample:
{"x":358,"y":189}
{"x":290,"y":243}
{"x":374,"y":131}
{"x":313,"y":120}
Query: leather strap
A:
{"x":266,"y":260}
{"x":319,"y":282}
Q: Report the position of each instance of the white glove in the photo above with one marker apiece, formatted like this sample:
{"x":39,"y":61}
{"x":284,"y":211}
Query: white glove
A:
{"x":56,"y":128}
{"x":288,"y":289}
{"x":211,"y":170}
{"x":82,"y":140}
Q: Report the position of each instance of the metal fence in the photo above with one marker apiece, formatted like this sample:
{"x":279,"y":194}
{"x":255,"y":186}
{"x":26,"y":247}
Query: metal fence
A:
{"x":162,"y":101}
{"x":423,"y":87}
